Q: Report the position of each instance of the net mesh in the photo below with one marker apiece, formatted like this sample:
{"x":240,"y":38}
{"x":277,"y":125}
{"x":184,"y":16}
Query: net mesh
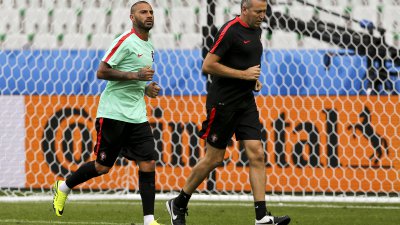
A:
{"x":329,"y":105}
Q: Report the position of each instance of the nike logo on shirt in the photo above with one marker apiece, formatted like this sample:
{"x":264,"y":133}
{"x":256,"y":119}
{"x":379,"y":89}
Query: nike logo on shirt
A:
{"x":246,"y":42}
{"x":139,"y":55}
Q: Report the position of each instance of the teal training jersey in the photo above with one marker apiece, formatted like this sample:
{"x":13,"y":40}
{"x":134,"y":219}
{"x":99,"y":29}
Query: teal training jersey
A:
{"x":124,"y":100}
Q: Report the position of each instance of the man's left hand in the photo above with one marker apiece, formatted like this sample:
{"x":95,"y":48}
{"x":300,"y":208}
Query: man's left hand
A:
{"x":258,"y":86}
{"x":152,"y":90}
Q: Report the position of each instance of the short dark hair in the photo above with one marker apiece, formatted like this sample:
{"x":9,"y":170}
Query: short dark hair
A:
{"x":137,"y":3}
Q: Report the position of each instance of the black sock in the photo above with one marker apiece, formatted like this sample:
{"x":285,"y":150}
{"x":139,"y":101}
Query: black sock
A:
{"x":147,"y":188}
{"x":261,"y":209}
{"x":86,"y":172}
{"x":182,"y":200}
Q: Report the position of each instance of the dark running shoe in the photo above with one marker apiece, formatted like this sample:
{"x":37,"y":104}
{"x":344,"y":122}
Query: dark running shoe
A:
{"x":177,"y":215}
{"x":274,"y":220}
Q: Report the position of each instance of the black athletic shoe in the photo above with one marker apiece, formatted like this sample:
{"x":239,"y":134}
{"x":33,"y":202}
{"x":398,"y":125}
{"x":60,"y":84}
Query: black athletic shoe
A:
{"x":274,"y":220}
{"x":177,"y":215}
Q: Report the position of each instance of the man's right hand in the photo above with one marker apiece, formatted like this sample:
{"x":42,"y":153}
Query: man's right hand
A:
{"x":252,"y":73}
{"x":144,"y":74}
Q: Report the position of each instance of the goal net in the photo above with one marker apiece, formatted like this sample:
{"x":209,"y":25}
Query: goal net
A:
{"x":329,"y":106}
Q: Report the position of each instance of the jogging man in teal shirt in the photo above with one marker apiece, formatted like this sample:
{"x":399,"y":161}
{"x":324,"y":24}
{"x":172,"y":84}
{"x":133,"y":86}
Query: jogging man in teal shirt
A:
{"x":121,"y":124}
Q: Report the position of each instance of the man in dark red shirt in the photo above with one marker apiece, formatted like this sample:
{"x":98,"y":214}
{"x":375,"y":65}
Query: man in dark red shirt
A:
{"x":234,"y":63}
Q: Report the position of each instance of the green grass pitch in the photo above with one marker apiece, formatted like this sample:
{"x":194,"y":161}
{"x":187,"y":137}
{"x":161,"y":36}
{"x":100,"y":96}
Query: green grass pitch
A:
{"x":200,"y":213}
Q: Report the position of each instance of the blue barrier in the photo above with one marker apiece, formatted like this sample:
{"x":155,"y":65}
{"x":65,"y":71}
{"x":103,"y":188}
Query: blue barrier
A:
{"x":286,"y":72}
{"x":305,"y":72}
{"x":47,"y":72}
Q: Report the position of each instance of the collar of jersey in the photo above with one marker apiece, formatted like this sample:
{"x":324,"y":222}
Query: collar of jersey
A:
{"x":134,"y":32}
{"x":242,"y":22}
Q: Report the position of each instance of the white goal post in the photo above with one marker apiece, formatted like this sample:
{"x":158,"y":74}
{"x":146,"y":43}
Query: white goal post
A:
{"x":330,"y":109}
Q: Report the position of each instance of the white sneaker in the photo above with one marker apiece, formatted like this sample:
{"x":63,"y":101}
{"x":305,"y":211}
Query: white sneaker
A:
{"x":274,"y":220}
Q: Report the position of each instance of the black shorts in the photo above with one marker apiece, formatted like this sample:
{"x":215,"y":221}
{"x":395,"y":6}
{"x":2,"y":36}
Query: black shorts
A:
{"x":221,"y":124}
{"x":133,"y":141}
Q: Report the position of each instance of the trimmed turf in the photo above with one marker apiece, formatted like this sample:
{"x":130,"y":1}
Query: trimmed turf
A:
{"x":200,"y":213}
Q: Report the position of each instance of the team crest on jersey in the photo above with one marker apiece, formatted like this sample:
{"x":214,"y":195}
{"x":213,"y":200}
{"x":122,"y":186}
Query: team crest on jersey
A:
{"x":103,"y":156}
{"x":214,"y":138}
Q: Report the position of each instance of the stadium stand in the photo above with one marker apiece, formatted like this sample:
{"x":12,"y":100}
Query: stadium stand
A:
{"x":36,"y":20}
{"x":64,"y":21}
{"x":94,"y":20}
{"x":58,"y":17}
{"x":10,"y":21}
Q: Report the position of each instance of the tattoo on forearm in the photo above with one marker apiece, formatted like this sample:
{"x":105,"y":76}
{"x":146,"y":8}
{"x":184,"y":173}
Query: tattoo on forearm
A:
{"x":140,"y":75}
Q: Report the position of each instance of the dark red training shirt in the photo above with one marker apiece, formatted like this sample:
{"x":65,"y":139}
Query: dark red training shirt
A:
{"x":239,"y":47}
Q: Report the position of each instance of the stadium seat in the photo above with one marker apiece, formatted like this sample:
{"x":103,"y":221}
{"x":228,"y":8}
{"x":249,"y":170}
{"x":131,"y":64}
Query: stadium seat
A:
{"x":203,"y":16}
{"x":120,"y":3}
{"x":66,"y":4}
{"x":330,"y":18}
{"x":64,"y":21}
{"x":16,"y":41}
{"x":284,"y":9}
{"x":342,"y":3}
{"x":191,"y":40}
{"x":391,"y":2}
{"x":32,"y":4}
{"x":10,"y":21}
{"x":36,"y":20}
{"x":266,"y":42}
{"x":163,"y":41}
{"x":176,"y":3}
{"x":196,"y":3}
{"x":159,"y":20}
{"x":101,"y":41}
{"x":311,"y":43}
{"x":45,"y":41}
{"x":314,"y":2}
{"x":329,"y":3}
{"x":56,"y":4}
{"x":105,"y":4}
{"x":161,"y":3}
{"x":391,"y":18}
{"x":123,"y":28}
{"x":235,"y":10}
{"x":283,"y":40}
{"x":120,"y":21}
{"x":222,"y":15}
{"x":370,"y":3}
{"x":93,"y":21}
{"x":8,"y":4}
{"x":49,"y":4}
{"x":365,"y":12}
{"x":393,"y":38}
{"x":223,"y":3}
{"x":74,"y":41}
{"x":183,"y":19}
{"x":302,"y":12}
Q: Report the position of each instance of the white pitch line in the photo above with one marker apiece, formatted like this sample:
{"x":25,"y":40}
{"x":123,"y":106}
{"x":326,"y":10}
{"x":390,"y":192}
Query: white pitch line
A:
{"x":295,"y":205}
{"x":8,"y":221}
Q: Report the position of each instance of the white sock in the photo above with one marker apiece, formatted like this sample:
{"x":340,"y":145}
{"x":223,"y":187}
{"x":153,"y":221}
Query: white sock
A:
{"x":148,"y":219}
{"x":64,"y":188}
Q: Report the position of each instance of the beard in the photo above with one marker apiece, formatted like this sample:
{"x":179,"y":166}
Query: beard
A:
{"x":145,"y":25}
